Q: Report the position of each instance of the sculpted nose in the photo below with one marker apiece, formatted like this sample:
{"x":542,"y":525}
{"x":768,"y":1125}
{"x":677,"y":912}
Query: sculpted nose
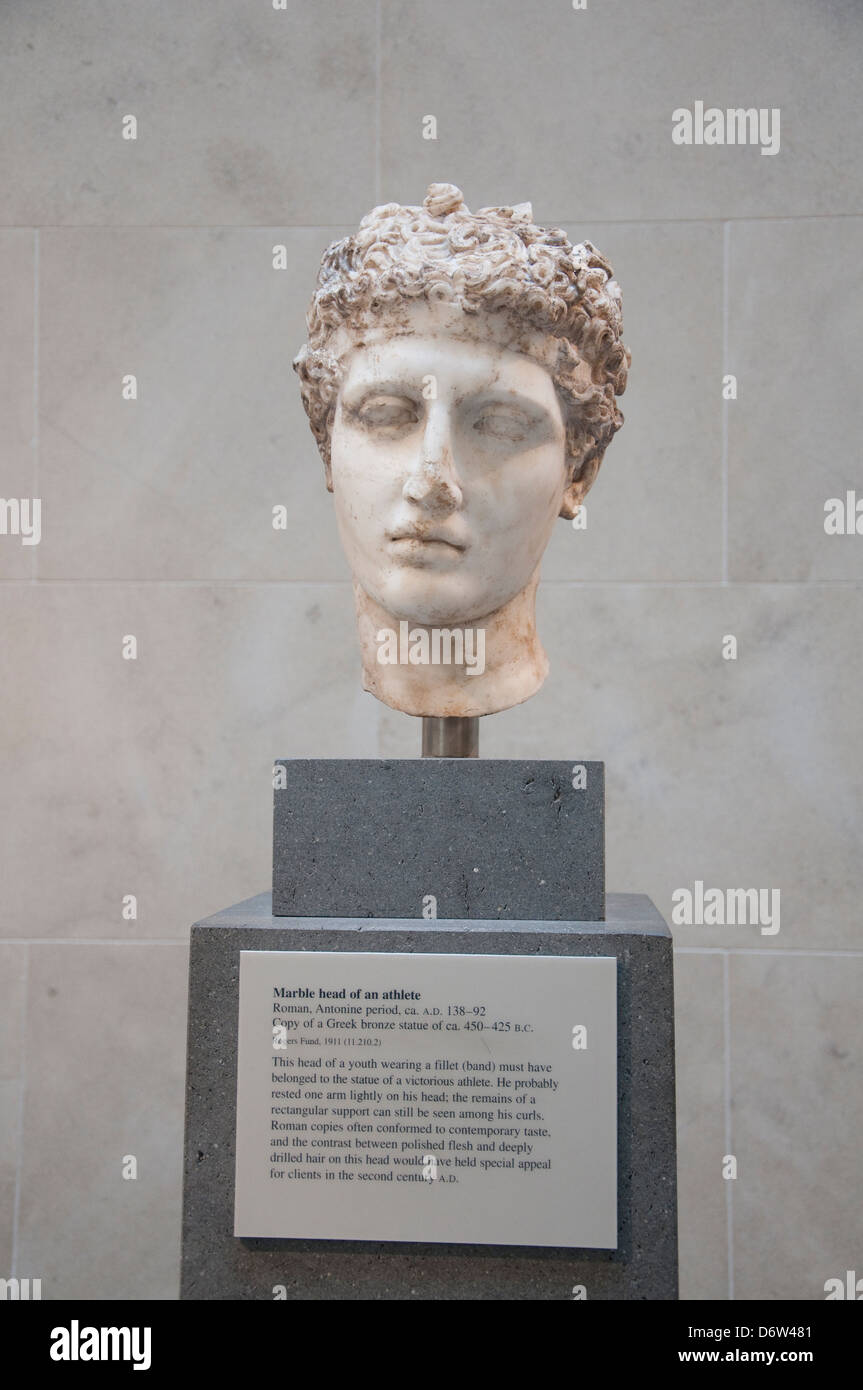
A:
{"x":432,"y":482}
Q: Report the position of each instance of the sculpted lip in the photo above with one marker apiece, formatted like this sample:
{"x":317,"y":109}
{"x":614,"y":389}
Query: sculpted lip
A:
{"x":424,"y":538}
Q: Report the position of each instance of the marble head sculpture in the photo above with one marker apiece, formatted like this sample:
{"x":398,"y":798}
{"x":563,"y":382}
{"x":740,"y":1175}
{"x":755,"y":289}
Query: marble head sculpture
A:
{"x":460,"y":378}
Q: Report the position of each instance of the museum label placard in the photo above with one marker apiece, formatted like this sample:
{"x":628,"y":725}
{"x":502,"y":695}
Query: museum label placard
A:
{"x":427,"y":1097}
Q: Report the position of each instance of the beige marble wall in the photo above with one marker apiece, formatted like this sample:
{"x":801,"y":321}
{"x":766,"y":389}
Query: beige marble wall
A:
{"x":152,"y":777}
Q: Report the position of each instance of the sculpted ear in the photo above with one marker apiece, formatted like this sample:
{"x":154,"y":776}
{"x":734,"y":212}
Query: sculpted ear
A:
{"x":579,"y":487}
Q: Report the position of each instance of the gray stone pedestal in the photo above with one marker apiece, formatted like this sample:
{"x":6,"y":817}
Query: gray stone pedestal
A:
{"x":495,"y":837}
{"x":217,"y":1265}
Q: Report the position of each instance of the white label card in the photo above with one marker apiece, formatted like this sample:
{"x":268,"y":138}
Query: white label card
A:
{"x":455,"y":1098}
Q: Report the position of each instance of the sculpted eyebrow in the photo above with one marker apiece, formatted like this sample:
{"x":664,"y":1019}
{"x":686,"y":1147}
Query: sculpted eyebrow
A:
{"x":369,"y":389}
{"x":499,"y":396}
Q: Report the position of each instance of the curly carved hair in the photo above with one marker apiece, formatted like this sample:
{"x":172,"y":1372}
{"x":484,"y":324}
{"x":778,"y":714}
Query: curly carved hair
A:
{"x":495,"y":261}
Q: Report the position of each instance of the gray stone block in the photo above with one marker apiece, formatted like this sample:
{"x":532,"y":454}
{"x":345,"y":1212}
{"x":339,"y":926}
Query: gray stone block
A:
{"x":488,"y":838}
{"x":218,"y":1265}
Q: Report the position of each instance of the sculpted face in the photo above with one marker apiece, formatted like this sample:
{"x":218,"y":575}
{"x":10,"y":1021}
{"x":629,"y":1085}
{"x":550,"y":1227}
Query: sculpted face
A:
{"x":448,"y":467}
{"x":460,"y":378}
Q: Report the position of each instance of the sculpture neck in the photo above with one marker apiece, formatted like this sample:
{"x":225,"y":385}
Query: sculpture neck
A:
{"x":464,"y":669}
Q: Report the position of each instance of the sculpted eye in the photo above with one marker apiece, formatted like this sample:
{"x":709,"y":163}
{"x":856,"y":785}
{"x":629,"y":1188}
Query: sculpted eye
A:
{"x":387,"y":412}
{"x":504,"y":422}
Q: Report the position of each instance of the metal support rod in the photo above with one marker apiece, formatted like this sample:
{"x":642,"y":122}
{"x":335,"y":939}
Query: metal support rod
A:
{"x":450,"y":737}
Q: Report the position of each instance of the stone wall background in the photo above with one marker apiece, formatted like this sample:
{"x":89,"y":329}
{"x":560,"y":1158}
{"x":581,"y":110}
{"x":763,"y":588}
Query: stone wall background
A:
{"x":152,"y":776}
